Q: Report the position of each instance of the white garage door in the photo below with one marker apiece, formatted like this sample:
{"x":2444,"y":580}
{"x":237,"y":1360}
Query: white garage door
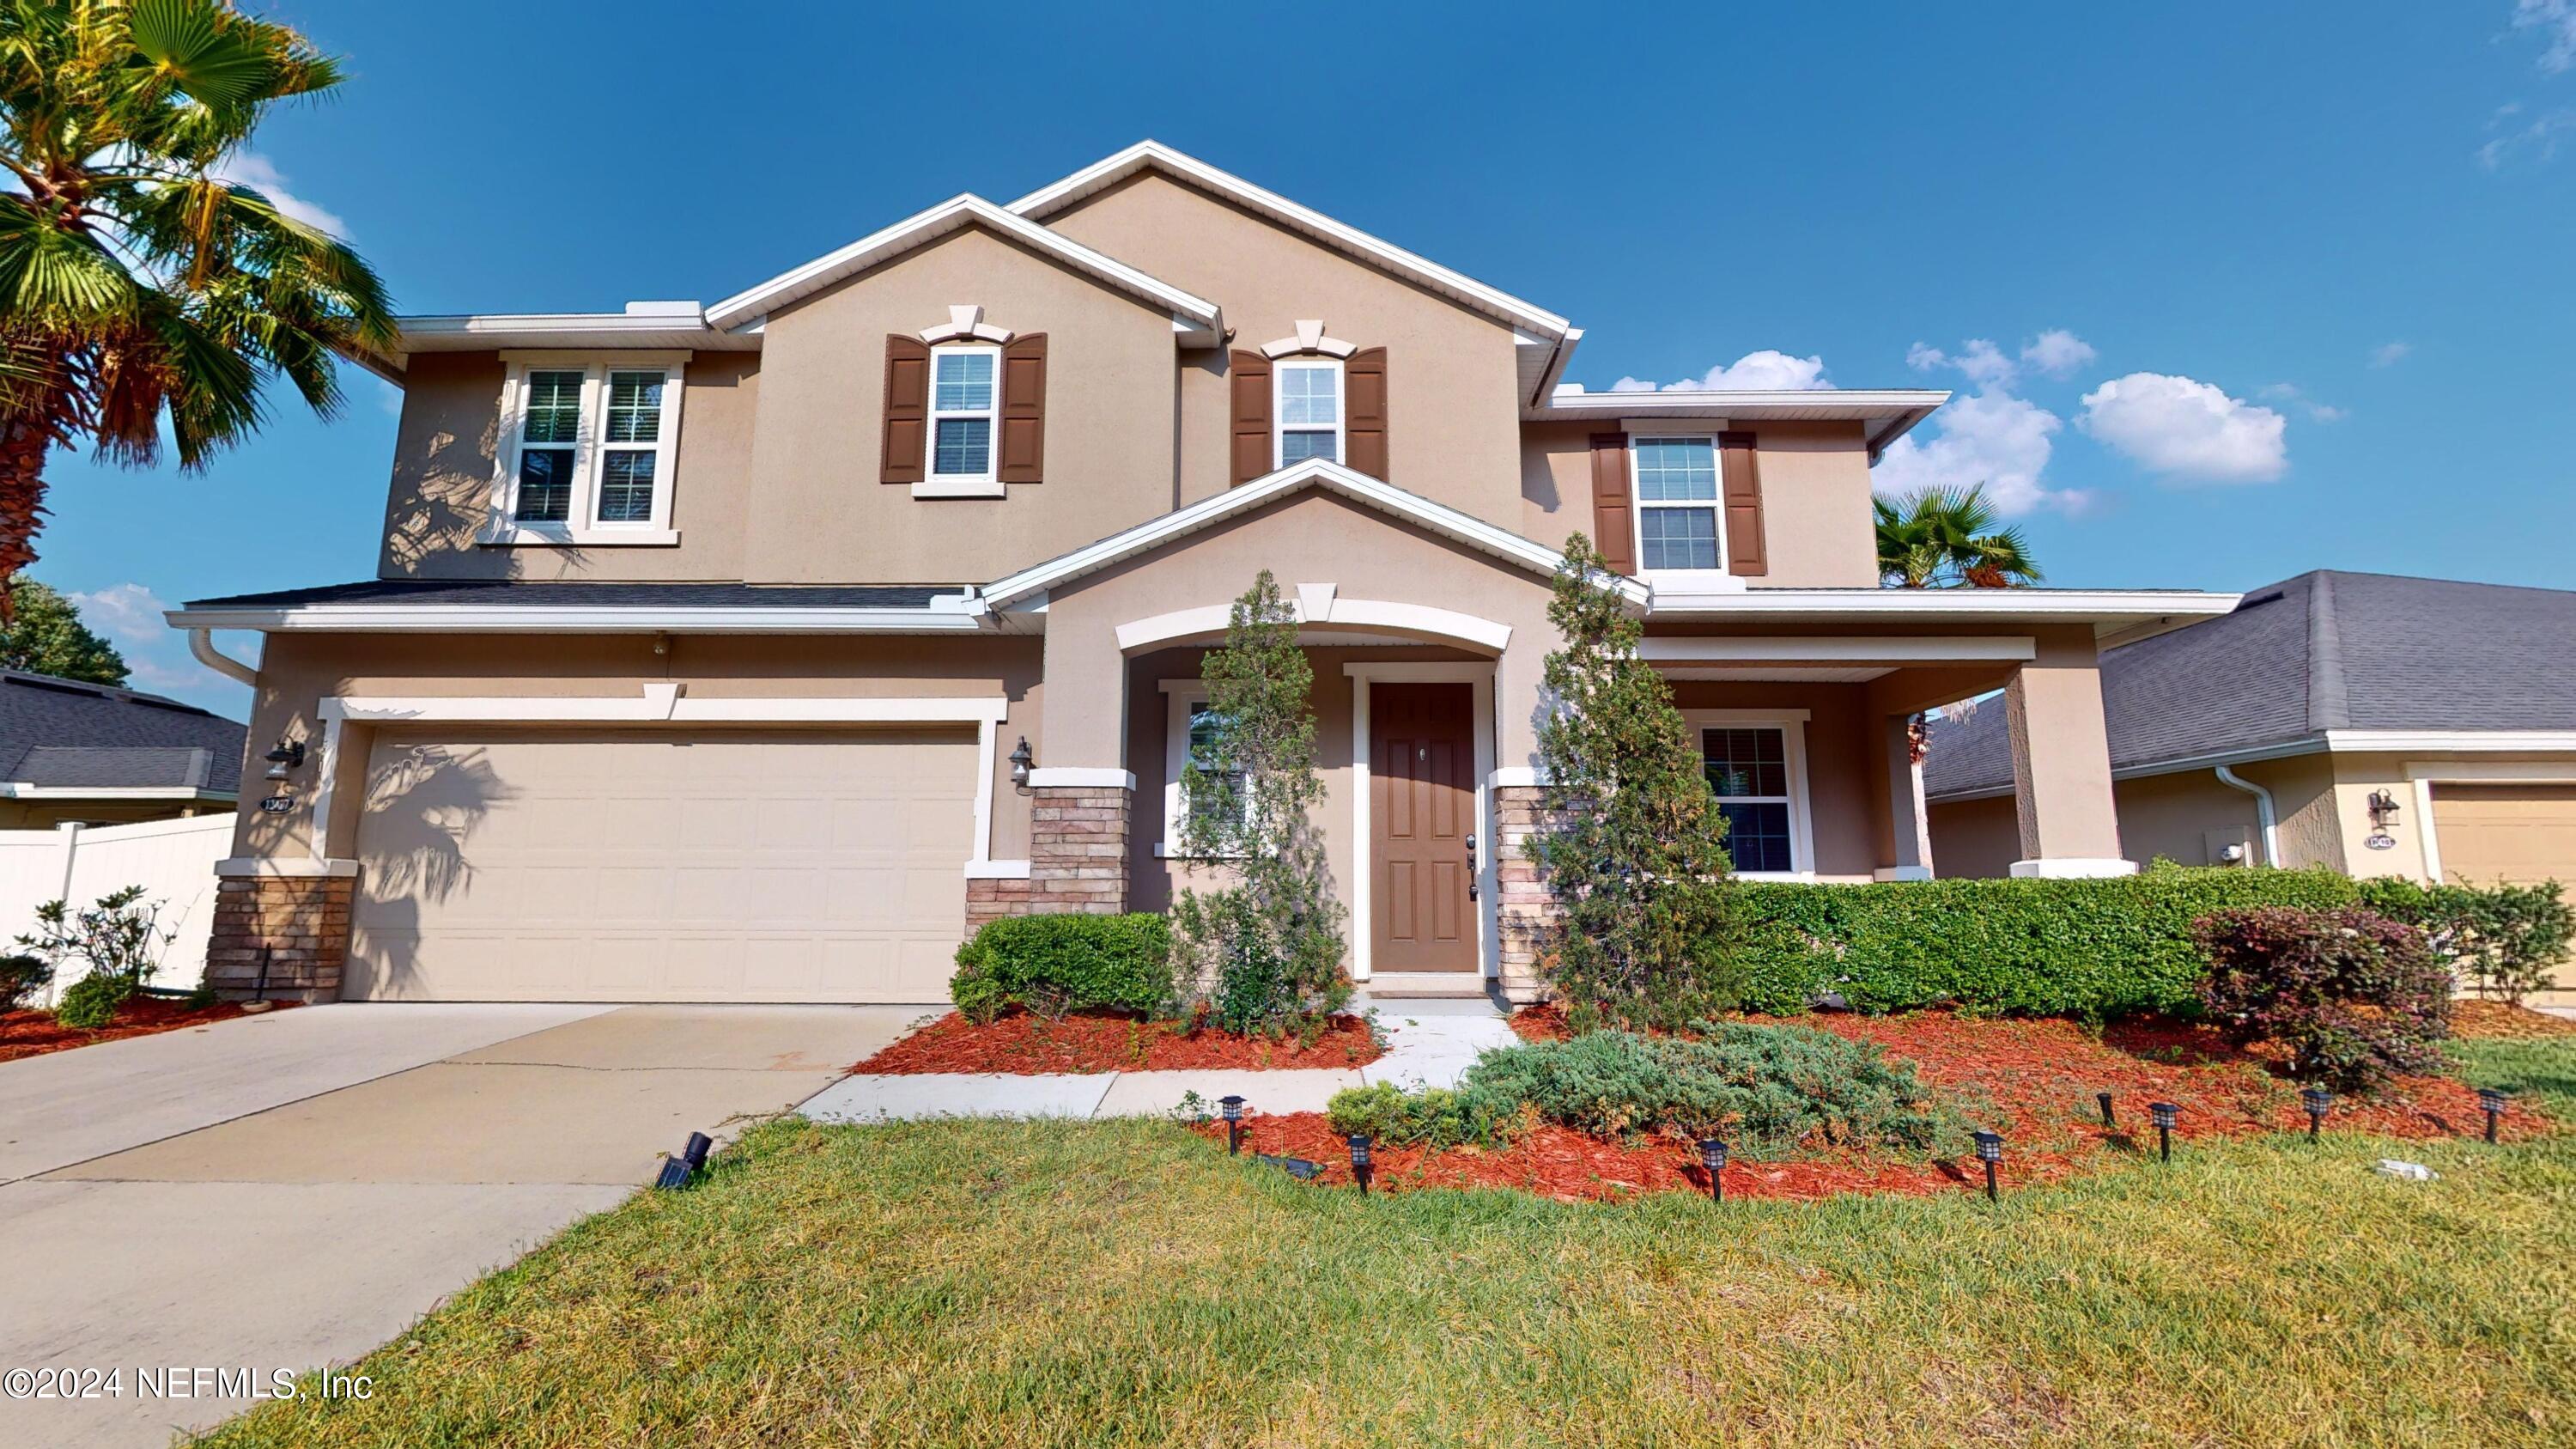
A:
{"x":2523,"y":833}
{"x":529,"y":865}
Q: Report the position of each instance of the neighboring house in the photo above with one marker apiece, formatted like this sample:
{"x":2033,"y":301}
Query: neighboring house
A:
{"x":2365,"y":722}
{"x":73,"y":751}
{"x":757,"y":651}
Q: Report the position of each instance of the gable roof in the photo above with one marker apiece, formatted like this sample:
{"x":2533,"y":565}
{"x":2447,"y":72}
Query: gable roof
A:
{"x":1314,"y":473}
{"x":2308,"y":659}
{"x":955,"y":214}
{"x":1150,"y":155}
{"x":67,"y":735}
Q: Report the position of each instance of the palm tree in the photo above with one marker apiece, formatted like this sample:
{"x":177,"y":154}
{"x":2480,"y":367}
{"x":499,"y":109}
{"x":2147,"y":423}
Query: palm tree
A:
{"x":138,"y":288}
{"x":1948,"y":538}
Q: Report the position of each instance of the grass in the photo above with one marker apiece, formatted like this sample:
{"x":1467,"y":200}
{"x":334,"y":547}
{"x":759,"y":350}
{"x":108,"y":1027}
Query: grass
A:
{"x":984,"y":1283}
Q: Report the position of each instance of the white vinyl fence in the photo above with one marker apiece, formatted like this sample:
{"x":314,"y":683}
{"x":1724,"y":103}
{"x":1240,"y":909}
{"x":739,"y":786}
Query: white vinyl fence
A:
{"x":173,"y":860}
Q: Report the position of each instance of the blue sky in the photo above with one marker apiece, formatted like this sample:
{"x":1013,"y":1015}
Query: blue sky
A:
{"x":2261,"y":288}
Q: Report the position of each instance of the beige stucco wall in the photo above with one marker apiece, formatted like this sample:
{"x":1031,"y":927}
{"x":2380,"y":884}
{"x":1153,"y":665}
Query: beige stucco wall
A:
{"x":441,"y":493}
{"x":818,"y":513}
{"x":299,"y":670}
{"x":1452,"y":380}
{"x":1816,"y":524}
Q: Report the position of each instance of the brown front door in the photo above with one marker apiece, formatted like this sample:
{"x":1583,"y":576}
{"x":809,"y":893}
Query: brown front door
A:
{"x":1422,"y":815}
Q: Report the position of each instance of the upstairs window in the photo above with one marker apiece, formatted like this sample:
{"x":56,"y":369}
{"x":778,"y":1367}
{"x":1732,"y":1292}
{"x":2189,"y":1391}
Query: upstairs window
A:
{"x":587,"y":455}
{"x":1676,"y":503}
{"x":1309,"y":411}
{"x":964,"y":403}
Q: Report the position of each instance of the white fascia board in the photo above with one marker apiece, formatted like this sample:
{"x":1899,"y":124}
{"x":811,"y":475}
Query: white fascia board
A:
{"x":586,"y":330}
{"x":1313,"y":473}
{"x":12,"y":790}
{"x":2440,"y":742}
{"x":2105,"y":609}
{"x":539,"y":619}
{"x":1824,"y":404}
{"x":1895,"y":648}
{"x":1101,"y":174}
{"x":939,"y":221}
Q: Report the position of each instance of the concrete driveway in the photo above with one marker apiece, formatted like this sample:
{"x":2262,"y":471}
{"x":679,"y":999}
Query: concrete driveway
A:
{"x":291,"y":1190}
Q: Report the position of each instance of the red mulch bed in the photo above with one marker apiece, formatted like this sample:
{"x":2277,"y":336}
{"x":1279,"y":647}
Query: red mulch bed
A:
{"x":2031,"y":1080}
{"x":34,"y":1033}
{"x":1022,"y":1044}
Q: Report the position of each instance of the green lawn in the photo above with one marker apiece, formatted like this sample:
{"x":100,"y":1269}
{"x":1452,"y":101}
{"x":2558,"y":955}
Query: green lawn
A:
{"x":1118,"y":1283}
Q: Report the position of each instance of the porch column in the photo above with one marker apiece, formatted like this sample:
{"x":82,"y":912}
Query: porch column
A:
{"x":2061,"y":758}
{"x":1081,"y":794}
{"x":1896,"y":790}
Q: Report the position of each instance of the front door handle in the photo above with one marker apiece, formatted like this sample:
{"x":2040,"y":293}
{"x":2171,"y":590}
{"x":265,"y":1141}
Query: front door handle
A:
{"x":1472,"y":872}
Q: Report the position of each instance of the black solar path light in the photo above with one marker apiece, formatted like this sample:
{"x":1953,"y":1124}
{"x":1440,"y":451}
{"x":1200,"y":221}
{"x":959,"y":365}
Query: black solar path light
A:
{"x":2493,"y":1102}
{"x":1990,"y":1151}
{"x":2319,"y":1102}
{"x":2105,"y":1099}
{"x":1360,"y":1166}
{"x":1232,"y":1107}
{"x":2165,"y":1115}
{"x":676,"y":1171}
{"x":1712,"y":1155}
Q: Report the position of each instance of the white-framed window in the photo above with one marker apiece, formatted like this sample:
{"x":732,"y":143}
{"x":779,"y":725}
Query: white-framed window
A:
{"x":1674,"y":480}
{"x":1757,"y":768}
{"x":1307,"y":406}
{"x":587,"y":447}
{"x":965,"y":412}
{"x":1187,"y":733}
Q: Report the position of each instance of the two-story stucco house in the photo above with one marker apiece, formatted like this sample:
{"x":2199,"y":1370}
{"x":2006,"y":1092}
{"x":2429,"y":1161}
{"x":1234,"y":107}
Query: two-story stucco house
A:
{"x":757,"y":651}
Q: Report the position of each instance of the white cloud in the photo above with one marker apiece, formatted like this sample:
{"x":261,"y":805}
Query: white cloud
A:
{"x":251,"y":169}
{"x":1992,"y":440}
{"x":130,"y":616}
{"x":2292,"y":393}
{"x":2059,"y":353}
{"x":2389,"y":354}
{"x":2537,"y":138}
{"x":1764,"y":371}
{"x":2056,"y":352}
{"x":2555,"y":20}
{"x":2187,"y":428}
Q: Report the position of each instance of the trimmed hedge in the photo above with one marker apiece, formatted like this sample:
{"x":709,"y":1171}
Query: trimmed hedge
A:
{"x":2092,"y":949}
{"x":1056,"y":964}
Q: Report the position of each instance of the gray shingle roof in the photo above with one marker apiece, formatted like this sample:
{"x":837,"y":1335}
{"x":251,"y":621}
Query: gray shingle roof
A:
{"x":62,"y":732}
{"x":2325,"y":650}
{"x":544,"y":594}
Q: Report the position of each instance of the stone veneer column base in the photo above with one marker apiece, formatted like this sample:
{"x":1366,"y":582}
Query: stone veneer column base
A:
{"x":990,"y":900}
{"x":298,"y":926}
{"x":1077,"y":850}
{"x":1525,"y":911}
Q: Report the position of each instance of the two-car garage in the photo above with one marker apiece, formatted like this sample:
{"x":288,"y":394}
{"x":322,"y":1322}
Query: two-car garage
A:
{"x":505,"y":863}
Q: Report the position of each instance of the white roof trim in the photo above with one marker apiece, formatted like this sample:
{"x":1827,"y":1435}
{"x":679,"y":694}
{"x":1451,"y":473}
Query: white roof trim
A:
{"x":949,"y":216}
{"x":12,"y":790}
{"x":2106,"y":609}
{"x":1313,"y":473}
{"x":578,"y":619}
{"x":2449,"y":742}
{"x":1896,"y":410}
{"x":1107,"y":172}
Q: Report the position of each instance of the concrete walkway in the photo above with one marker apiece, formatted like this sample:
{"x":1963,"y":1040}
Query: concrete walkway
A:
{"x":291,"y":1190}
{"x":1430,"y":1043}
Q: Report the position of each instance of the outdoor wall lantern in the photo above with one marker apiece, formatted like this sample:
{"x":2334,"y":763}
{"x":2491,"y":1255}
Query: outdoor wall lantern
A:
{"x":2493,"y":1101}
{"x":288,"y":756}
{"x":1712,"y":1155}
{"x":2319,"y":1102}
{"x":1361,"y":1168}
{"x":1021,"y":760}
{"x":2165,"y":1114}
{"x":2383,"y":810}
{"x":1990,"y":1151}
{"x":1232,"y":1107}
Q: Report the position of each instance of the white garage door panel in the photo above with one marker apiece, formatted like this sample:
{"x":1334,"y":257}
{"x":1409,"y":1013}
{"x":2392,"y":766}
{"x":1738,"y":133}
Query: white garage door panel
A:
{"x":609,"y":866}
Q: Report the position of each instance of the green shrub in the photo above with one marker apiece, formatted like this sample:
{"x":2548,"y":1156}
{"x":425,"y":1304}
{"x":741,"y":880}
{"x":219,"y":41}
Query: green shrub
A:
{"x":1055,"y":964}
{"x":2504,"y":939}
{"x":1767,"y":1089}
{"x":2353,"y":994}
{"x":22,"y":977}
{"x":2090,"y":949}
{"x":91,"y":1002}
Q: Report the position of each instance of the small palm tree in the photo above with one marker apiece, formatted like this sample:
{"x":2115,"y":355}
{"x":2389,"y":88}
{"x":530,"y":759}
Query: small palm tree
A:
{"x":1948,"y":538}
{"x":138,"y":289}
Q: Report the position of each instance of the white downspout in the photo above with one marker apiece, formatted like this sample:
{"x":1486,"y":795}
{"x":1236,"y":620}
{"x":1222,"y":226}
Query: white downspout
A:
{"x":201,"y":643}
{"x":2262,"y":812}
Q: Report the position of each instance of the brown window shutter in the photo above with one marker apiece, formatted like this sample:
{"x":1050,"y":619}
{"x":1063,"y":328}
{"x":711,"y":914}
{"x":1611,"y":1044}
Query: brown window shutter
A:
{"x":1613,"y":531}
{"x":1364,"y":411}
{"x":907,"y":408}
{"x":1023,"y":456}
{"x":1250,"y":390}
{"x":1741,"y":483}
